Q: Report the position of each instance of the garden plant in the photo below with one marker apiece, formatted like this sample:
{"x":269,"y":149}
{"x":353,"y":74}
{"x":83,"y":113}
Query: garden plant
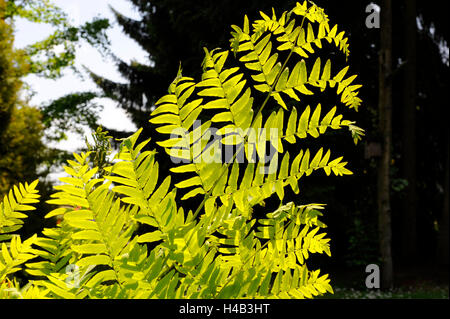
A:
{"x":241,"y":136}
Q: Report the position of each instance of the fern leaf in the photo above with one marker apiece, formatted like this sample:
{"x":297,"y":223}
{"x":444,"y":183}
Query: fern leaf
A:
{"x":55,"y":250}
{"x":226,"y":86}
{"x":12,"y":257}
{"x":13,"y":206}
{"x":299,"y":80}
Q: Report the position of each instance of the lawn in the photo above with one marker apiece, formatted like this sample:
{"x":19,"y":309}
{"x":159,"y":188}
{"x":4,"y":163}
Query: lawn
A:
{"x":411,"y":292}
{"x":420,"y":282}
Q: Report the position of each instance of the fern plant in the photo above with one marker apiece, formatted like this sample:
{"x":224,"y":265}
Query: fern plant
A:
{"x":251,"y":96}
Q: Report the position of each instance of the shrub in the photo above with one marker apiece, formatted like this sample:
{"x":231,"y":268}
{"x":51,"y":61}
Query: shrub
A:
{"x":222,"y":249}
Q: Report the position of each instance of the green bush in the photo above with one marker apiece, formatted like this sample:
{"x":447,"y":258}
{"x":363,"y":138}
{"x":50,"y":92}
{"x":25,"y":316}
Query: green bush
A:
{"x":222,"y":249}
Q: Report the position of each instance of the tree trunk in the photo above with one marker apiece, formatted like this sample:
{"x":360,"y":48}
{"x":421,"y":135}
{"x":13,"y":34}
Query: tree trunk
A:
{"x":409,"y":212}
{"x":385,"y":126}
{"x":443,"y":224}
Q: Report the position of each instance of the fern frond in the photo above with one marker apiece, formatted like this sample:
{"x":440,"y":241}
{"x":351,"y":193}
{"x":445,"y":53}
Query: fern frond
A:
{"x":261,"y":60}
{"x":101,"y":226}
{"x":55,"y":250}
{"x":226,"y":87}
{"x":77,"y":186}
{"x":18,"y":252}
{"x":12,"y":290}
{"x":261,"y":181}
{"x":13,"y":205}
{"x":273,"y":270}
{"x":123,"y":235}
{"x":135,"y":176}
{"x":177,"y":116}
{"x":297,"y":39}
{"x":300,"y":39}
{"x":102,"y":233}
{"x":190,"y":148}
{"x":299,"y":283}
{"x":258,"y":58}
{"x":312,"y":13}
{"x":310,"y":123}
{"x":298,"y":80}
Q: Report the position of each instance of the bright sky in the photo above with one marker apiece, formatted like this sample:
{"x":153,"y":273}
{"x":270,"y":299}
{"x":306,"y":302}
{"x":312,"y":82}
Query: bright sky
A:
{"x":79,"y":12}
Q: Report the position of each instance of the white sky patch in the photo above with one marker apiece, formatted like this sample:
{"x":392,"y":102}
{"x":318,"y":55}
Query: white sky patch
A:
{"x":46,"y":90}
{"x":80,"y":11}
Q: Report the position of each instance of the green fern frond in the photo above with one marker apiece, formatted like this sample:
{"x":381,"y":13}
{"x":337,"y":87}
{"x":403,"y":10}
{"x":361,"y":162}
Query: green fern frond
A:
{"x":261,"y":181}
{"x":77,"y":186}
{"x":101,"y":234}
{"x":300,"y":283}
{"x":176,"y":115}
{"x":313,"y":13}
{"x":259,"y":59}
{"x":298,"y":80}
{"x":226,"y":87}
{"x":124,"y":235}
{"x":55,"y":250}
{"x":13,"y":205}
{"x":12,"y":290}
{"x":101,"y":226}
{"x":14,"y":254}
{"x":300,"y":39}
{"x":272,"y":270}
{"x":135,"y":177}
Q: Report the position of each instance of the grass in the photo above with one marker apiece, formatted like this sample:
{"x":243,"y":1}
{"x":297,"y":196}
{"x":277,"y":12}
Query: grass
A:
{"x":429,"y":282}
{"x":412,"y":292}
